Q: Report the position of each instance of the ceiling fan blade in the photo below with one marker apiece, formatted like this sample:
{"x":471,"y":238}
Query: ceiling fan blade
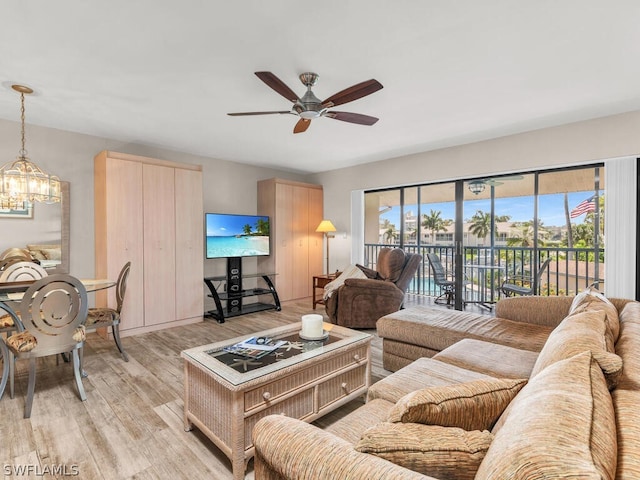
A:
{"x":500,"y":180}
{"x":278,"y":85}
{"x":352,"y":117}
{"x":353,"y":93}
{"x":238,"y":114}
{"x":302,"y":125}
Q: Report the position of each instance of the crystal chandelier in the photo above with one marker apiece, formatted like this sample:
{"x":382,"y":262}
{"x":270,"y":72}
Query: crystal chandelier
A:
{"x":22,"y":181}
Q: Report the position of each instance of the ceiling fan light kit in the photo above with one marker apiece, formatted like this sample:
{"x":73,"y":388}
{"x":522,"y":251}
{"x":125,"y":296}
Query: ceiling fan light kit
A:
{"x":477,"y":186}
{"x":310,"y":107}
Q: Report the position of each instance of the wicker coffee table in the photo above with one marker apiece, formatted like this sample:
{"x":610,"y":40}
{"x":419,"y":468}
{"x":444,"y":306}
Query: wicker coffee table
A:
{"x":225,"y":394}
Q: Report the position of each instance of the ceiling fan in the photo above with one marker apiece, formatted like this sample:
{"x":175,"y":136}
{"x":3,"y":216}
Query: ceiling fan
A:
{"x":309,"y":106}
{"x":478,"y":185}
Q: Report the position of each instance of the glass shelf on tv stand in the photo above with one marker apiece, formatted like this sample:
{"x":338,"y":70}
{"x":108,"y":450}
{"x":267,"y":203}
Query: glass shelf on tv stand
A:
{"x":235,"y":305}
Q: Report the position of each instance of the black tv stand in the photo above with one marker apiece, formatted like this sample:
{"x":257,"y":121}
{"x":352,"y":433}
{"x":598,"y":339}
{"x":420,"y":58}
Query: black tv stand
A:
{"x":234,"y":293}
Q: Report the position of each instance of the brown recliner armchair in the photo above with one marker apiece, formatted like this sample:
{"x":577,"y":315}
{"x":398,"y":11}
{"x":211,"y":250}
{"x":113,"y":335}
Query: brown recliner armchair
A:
{"x":360,"y":302}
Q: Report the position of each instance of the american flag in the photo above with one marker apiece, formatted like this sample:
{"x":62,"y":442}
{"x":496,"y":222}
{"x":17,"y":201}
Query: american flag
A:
{"x":586,"y":206}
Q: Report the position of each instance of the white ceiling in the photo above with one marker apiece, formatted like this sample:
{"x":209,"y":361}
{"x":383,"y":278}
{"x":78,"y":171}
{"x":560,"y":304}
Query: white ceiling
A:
{"x":165,"y":73}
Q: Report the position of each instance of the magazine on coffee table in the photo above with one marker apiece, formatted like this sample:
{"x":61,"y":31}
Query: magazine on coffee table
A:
{"x":254,"y":347}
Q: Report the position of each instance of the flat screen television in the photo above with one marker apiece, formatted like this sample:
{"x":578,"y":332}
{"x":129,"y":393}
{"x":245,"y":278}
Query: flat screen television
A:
{"x":229,"y":235}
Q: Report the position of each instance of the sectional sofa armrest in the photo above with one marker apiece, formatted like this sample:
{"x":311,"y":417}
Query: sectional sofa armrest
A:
{"x":538,"y":310}
{"x":291,"y":449}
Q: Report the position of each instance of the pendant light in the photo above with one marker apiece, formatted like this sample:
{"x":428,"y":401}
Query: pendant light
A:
{"x":23,"y":181}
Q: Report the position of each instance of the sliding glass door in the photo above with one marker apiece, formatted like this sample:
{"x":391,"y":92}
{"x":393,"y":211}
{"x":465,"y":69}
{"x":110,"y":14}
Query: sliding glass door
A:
{"x":486,"y":231}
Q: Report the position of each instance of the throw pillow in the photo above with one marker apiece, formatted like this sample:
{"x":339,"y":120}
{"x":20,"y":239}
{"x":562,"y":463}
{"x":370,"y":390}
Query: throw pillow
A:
{"x":390,"y":263}
{"x":561,"y":425}
{"x":369,"y":272}
{"x":473,"y":405}
{"x":443,"y":452}
{"x":578,"y":333}
{"x":37,"y":254}
{"x":592,"y":300}
{"x":52,"y":253}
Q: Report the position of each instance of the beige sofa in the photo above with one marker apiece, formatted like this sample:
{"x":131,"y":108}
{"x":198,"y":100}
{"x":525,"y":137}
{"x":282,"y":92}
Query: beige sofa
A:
{"x":467,"y":413}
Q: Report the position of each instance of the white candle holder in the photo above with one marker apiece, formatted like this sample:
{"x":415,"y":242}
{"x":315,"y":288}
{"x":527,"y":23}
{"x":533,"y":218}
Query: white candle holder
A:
{"x":313,"y":327}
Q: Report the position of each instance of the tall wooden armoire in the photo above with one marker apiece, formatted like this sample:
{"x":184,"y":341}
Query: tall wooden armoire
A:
{"x":295,"y":211}
{"x":150,"y":212}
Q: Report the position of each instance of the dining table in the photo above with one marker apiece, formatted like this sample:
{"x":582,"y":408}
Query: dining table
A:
{"x":11,"y":293}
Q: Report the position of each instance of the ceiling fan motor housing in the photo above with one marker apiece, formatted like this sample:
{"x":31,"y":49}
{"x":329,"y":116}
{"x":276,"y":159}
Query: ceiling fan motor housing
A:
{"x":309,"y":106}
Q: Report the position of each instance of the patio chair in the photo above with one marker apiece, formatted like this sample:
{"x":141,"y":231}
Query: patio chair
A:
{"x":447,"y":285}
{"x":523,"y":284}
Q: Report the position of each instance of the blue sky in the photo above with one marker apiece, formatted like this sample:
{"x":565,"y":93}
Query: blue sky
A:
{"x":225,"y":225}
{"x":550,"y":208}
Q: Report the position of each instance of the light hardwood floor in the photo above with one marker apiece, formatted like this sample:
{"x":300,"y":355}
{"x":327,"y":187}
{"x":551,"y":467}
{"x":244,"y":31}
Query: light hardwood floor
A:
{"x":131,"y":425}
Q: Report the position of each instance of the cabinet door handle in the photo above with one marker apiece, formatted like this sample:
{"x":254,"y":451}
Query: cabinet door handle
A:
{"x":344,"y":385}
{"x":356,"y":357}
{"x":266,"y":396}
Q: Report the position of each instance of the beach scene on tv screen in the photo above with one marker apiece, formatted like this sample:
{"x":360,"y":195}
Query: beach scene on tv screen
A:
{"x":237,"y":235}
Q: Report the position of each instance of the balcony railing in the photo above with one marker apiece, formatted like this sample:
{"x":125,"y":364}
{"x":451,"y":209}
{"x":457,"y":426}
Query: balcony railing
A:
{"x":570,"y":270}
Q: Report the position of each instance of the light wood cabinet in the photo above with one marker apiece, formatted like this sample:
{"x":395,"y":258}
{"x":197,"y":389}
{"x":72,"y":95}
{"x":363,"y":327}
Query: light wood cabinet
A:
{"x":150,"y":212}
{"x":295,"y":211}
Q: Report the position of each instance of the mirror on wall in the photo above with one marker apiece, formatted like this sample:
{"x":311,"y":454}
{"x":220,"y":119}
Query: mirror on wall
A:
{"x":43,"y":229}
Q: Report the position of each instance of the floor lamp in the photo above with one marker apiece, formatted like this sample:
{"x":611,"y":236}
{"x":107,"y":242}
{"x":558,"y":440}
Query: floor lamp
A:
{"x":325,"y":227}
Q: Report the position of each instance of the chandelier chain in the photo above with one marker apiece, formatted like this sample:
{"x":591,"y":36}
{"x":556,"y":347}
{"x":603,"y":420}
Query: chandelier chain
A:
{"x":23,"y":152}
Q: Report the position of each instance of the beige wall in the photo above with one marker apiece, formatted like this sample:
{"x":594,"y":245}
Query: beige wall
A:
{"x":576,"y":143}
{"x":231,"y":187}
{"x":228,"y":187}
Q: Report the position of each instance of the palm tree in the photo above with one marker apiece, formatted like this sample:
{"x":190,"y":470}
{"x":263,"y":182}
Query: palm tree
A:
{"x":524,"y":236}
{"x":390,"y":234}
{"x":434,"y":223}
{"x":247,"y":229}
{"x":262,"y":226}
{"x":480,"y":224}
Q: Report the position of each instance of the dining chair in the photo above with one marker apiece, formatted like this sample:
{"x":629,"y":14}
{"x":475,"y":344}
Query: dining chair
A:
{"x":22,"y":270}
{"x":7,"y":326}
{"x":18,"y":271}
{"x":52,"y":315}
{"x":103,"y":317}
{"x":6,"y":262}
{"x":16,"y":252}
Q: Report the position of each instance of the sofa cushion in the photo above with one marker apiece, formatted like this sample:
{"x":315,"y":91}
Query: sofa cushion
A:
{"x":560,"y":425}
{"x":625,"y":403}
{"x":578,"y":333}
{"x":490,"y":358}
{"x":439,"y":328}
{"x":592,"y":300}
{"x":422,"y":373}
{"x":390,"y":263}
{"x":472,"y":406}
{"x":441,"y":452}
{"x":353,"y":425}
{"x":628,"y":347}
